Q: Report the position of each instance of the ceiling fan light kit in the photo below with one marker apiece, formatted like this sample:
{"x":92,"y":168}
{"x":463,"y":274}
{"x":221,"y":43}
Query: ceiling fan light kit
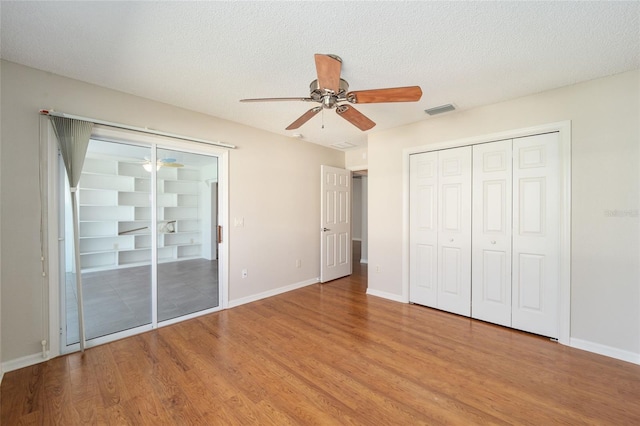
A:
{"x":331,"y":92}
{"x":164,"y":162}
{"x":148,"y":167}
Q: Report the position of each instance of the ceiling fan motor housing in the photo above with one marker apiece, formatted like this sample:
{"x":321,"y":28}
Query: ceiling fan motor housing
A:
{"x":327,"y":97}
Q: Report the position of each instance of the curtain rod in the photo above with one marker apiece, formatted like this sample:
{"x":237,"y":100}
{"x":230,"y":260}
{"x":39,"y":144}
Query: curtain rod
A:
{"x":134,"y":128}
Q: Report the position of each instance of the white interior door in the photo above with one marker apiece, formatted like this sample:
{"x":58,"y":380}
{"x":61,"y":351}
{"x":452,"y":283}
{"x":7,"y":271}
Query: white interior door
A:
{"x":491,"y":247}
{"x":536,"y":234}
{"x":335,"y":240}
{"x":454,"y":230}
{"x":423,"y":239}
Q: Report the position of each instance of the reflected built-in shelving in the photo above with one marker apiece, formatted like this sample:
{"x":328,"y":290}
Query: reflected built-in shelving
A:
{"x":115,"y":214}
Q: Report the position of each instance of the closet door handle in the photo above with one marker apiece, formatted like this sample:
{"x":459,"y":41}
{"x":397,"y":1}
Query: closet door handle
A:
{"x":493,"y":242}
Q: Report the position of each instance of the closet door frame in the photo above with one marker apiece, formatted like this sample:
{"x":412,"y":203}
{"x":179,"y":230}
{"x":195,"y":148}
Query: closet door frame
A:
{"x":564,"y":139}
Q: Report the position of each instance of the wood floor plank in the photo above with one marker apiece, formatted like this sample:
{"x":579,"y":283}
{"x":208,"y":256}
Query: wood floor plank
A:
{"x":57,"y":388}
{"x":142,"y":407}
{"x":283,"y":388}
{"x":224,"y":400}
{"x":110,"y":383}
{"x":361,"y":367}
{"x":326,"y":354}
{"x":346,"y":387}
{"x":167,"y":384}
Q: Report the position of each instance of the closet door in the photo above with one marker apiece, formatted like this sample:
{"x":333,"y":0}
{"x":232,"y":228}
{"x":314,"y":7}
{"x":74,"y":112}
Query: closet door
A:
{"x":454,"y":230}
{"x":536,"y":234}
{"x":423,"y":219}
{"x":491,"y":249}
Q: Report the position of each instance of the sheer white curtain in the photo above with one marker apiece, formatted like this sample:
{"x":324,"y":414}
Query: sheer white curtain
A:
{"x":73,"y":139}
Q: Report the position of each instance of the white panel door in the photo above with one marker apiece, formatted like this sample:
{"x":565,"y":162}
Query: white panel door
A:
{"x":536,"y":234}
{"x":335,"y":240}
{"x":423,"y":235}
{"x":491,"y":248}
{"x":454,"y":230}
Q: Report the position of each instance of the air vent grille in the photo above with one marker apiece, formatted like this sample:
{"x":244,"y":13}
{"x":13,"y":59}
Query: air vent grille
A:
{"x":440,"y":109}
{"x":342,"y":145}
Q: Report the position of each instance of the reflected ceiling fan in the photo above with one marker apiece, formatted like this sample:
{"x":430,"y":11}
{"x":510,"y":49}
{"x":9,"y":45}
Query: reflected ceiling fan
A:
{"x":164,"y":162}
{"x":332,"y":92}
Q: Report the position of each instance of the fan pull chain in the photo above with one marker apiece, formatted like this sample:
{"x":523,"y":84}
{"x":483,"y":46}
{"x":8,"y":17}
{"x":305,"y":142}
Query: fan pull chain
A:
{"x":322,"y":118}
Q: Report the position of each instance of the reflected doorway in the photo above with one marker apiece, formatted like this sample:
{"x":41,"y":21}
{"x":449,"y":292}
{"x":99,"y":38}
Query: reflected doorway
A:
{"x":359,"y":215}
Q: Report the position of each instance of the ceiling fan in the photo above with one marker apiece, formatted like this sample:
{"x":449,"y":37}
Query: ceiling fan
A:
{"x":332,"y":92}
{"x":164,"y":162}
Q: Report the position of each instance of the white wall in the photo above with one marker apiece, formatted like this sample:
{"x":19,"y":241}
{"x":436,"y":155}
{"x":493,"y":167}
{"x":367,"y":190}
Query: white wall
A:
{"x":274,"y":186}
{"x":356,"y":158}
{"x":605,"y":264}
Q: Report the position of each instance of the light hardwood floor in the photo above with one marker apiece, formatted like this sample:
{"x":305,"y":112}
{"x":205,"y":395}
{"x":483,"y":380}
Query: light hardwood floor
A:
{"x":326,"y":354}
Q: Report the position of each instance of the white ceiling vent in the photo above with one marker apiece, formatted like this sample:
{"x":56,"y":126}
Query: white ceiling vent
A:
{"x":342,"y":145}
{"x":440,"y":109}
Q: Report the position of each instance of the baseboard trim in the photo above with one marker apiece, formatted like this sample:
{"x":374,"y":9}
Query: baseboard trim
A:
{"x":356,"y":239}
{"x":609,"y":351}
{"x":385,"y":295}
{"x":364,"y":260}
{"x":274,"y":292}
{"x":25,"y":361}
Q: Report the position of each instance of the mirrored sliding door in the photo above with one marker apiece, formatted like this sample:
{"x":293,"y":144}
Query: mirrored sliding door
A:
{"x":187,"y":219}
{"x":148,"y":248}
{"x":115,"y":242}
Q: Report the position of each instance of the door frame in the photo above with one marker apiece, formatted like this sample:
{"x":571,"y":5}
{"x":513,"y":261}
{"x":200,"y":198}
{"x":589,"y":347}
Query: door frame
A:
{"x":564,"y":137}
{"x":112,"y":134}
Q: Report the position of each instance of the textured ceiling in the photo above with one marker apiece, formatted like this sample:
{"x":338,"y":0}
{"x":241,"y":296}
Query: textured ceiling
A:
{"x":205,"y":56}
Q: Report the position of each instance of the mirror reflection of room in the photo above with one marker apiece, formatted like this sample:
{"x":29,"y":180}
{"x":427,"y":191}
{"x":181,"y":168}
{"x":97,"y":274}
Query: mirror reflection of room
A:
{"x":118,"y":255}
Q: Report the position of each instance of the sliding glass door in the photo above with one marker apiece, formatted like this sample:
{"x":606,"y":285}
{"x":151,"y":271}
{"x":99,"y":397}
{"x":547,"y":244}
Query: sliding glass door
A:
{"x":186,"y":243}
{"x":148,"y":252}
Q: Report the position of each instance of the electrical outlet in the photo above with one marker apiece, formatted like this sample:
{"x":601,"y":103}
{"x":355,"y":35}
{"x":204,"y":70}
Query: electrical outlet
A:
{"x":244,"y":273}
{"x":377,"y":268}
{"x":298,"y":263}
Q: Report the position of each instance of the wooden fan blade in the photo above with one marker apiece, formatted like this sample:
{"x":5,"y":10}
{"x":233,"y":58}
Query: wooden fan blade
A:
{"x":355,"y":117}
{"x":304,"y":118}
{"x":328,"y":69}
{"x":276,"y":99}
{"x":394,"y":94}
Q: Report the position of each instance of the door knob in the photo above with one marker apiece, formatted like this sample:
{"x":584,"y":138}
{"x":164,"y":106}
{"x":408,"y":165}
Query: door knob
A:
{"x":493,"y":242}
{"x":451,"y":240}
{"x":325,"y":229}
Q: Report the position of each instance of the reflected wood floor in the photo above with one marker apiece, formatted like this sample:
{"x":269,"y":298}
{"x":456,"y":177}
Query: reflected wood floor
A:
{"x":326,"y":354}
{"x":120,"y":299}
